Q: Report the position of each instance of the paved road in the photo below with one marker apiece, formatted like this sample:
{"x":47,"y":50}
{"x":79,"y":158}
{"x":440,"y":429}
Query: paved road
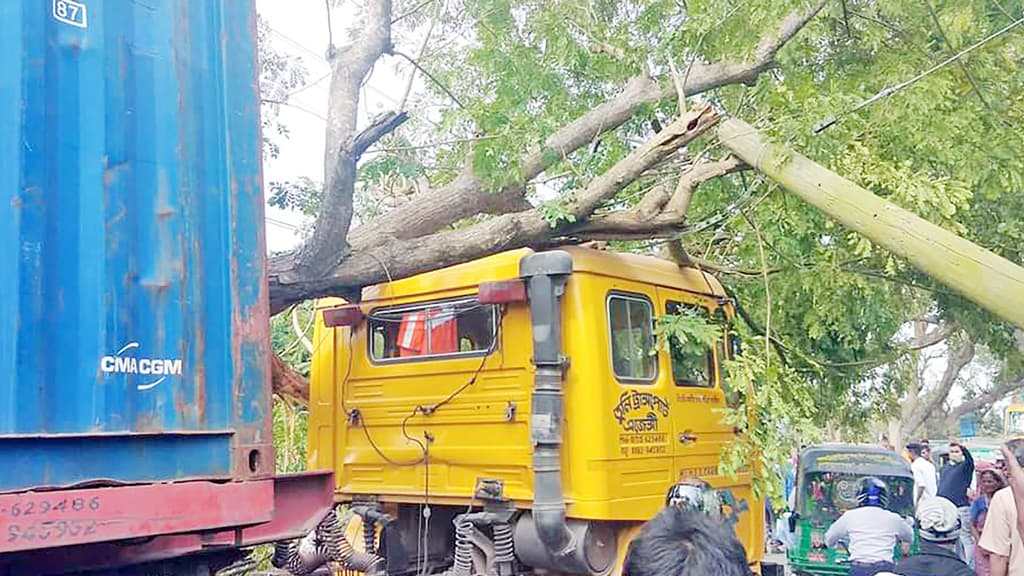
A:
{"x":776,"y":559}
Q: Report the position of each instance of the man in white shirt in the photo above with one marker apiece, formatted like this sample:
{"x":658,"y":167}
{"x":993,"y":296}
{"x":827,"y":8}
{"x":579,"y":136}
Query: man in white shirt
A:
{"x":925,"y":483}
{"x":872,"y":531}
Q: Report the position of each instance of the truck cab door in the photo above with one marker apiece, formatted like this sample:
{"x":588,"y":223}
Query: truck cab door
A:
{"x":695,"y":391}
{"x":642,"y":429}
{"x":694,"y":381}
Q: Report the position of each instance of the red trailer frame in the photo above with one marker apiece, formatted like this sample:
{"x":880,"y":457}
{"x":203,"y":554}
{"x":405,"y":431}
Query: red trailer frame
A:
{"x":47,"y":531}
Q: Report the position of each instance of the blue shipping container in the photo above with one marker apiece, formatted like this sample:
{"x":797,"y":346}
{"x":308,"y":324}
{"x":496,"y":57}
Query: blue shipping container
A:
{"x":133,"y":305}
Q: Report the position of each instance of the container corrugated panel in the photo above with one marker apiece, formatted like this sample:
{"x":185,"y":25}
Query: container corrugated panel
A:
{"x":133,"y":306}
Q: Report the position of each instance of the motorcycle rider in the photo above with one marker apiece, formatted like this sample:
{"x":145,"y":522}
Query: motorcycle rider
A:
{"x":688,"y":537}
{"x":871,"y":529}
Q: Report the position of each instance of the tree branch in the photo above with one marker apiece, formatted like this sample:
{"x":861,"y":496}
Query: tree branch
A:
{"x":381,"y":126}
{"x":327,"y":246}
{"x":432,"y":210}
{"x":998,"y":392}
{"x":960,"y":63}
{"x":432,"y":78}
{"x":677,"y":252}
{"x":300,"y":332}
{"x":288,"y":382}
{"x":365,"y":265}
{"x":702,"y":76}
{"x":780,"y":348}
{"x":929,"y":339}
{"x":675,"y":136}
{"x":640,"y":223}
{"x":958,"y":359}
{"x":422,"y":52}
{"x":733,"y":271}
{"x":419,"y":218}
{"x":679,"y":203}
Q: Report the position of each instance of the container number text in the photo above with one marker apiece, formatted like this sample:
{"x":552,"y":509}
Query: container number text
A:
{"x":39,"y":519}
{"x":52,"y":507}
{"x":47,"y":529}
{"x":70,"y":12}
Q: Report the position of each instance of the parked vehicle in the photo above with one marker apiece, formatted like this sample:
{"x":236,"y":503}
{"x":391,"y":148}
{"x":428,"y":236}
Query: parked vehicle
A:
{"x":1013,"y":421}
{"x":827,"y":480}
{"x":523,"y":400}
{"x":135,"y":395}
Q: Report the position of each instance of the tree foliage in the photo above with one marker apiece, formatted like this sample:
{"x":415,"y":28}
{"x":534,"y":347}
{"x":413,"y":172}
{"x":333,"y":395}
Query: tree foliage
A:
{"x":558,"y":121}
{"x":280,"y":75}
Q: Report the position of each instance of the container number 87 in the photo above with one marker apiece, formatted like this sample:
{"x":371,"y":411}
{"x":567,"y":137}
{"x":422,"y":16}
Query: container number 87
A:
{"x":70,"y":12}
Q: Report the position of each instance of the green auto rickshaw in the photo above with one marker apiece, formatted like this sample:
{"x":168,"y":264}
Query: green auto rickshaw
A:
{"x":827,"y":479}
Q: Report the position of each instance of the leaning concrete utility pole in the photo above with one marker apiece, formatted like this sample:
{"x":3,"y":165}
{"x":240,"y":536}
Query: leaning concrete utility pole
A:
{"x":981,"y":276}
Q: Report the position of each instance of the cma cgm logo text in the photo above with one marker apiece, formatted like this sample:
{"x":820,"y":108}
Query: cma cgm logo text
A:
{"x":125,"y":362}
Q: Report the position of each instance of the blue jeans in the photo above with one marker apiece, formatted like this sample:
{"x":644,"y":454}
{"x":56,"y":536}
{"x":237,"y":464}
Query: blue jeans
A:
{"x":871,"y":569}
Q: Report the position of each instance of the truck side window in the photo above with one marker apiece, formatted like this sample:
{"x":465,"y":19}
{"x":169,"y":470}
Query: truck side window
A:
{"x":434,"y":329}
{"x":632,"y":336}
{"x":691,"y":366}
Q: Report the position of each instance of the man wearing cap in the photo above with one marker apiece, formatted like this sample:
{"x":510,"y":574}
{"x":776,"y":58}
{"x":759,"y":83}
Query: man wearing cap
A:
{"x":939,"y":528}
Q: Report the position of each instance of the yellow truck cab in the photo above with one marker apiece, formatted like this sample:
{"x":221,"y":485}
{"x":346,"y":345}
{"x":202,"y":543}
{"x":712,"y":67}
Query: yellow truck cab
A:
{"x":515,"y":412}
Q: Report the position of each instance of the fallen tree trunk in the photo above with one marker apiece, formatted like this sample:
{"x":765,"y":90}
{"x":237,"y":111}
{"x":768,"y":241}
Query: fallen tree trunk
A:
{"x":287,"y":382}
{"x":981,"y":276}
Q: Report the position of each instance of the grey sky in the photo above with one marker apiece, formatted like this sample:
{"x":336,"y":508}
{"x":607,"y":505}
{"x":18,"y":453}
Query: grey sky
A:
{"x":300,"y":29}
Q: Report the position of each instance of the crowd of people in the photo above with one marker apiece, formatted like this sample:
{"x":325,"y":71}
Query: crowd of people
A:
{"x":960,"y":534}
{"x":988,"y":540}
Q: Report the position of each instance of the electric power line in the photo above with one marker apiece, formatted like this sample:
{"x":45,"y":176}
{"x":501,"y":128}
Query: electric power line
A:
{"x":321,"y":58}
{"x":280,"y":223}
{"x":313,"y":113}
{"x":821,"y":126}
{"x":297,"y":44}
{"x":305,"y":87}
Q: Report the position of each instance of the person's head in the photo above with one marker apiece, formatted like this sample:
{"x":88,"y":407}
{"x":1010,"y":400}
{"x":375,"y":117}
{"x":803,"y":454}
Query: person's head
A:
{"x":693,"y":494}
{"x":915,"y":450}
{"x":680,"y":542}
{"x":938,"y":521}
{"x":926,"y":449}
{"x":956,"y":453}
{"x":1016,"y":447}
{"x":992,"y":480}
{"x":872,"y":492}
